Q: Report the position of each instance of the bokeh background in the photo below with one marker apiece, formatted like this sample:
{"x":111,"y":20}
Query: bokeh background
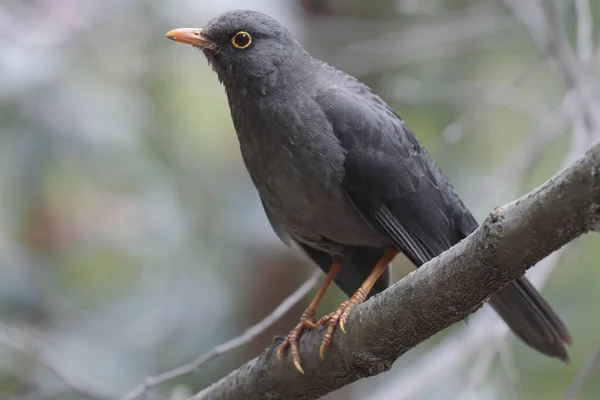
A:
{"x":132,"y":240}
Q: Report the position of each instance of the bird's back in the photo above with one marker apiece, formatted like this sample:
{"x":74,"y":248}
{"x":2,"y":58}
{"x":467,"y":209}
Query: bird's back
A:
{"x":369,"y":122}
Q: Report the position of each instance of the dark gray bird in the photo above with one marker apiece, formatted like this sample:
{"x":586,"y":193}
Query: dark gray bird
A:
{"x":341,"y":175}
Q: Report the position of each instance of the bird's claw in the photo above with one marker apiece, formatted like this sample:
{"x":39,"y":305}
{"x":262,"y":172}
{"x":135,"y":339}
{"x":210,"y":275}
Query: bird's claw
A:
{"x":342,"y":326}
{"x":337,"y":318}
{"x":322,"y":349}
{"x":280,"y":351}
{"x":298,"y":366}
{"x":292,"y":340}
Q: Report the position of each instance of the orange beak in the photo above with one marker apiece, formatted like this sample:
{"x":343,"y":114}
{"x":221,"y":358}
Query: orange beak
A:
{"x":191,"y":36}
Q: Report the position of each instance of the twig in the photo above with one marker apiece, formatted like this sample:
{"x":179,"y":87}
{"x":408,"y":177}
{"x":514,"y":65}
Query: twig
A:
{"x":542,"y":21}
{"x":585,"y":110}
{"x":507,"y":366}
{"x":575,"y":390}
{"x":584,"y":33}
{"x":247,"y":336}
{"x":526,"y":155}
{"x":479,"y":371}
{"x":28,"y":345}
{"x":484,"y":96}
{"x":447,"y":37}
{"x":456,"y":129}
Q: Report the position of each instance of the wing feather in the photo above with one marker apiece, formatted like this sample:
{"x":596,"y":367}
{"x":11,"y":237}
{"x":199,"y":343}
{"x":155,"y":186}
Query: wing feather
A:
{"x":391,"y":179}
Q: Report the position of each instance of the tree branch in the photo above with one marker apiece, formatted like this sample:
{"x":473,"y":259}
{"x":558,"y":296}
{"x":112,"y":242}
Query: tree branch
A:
{"x":485,"y":330}
{"x":445,"y":290}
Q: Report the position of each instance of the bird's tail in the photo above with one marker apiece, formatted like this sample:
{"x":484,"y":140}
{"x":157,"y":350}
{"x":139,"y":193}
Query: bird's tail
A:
{"x":522,"y":307}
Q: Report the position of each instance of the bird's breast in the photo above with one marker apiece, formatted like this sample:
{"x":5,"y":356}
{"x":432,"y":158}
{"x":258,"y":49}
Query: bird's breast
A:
{"x":297,"y":164}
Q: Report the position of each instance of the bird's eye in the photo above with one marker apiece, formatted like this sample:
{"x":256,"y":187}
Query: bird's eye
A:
{"x":241,"y":40}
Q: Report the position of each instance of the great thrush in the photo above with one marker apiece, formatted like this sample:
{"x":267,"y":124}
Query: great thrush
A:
{"x":341,"y":175}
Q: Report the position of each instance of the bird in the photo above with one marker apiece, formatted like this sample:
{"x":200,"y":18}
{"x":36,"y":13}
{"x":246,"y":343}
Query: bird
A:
{"x":342,"y":177}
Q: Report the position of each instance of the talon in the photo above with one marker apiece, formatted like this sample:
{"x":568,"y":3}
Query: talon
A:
{"x":293,"y":339}
{"x":339,"y":317}
{"x":298,"y":366}
{"x":307,"y":320}
{"x":322,"y":350}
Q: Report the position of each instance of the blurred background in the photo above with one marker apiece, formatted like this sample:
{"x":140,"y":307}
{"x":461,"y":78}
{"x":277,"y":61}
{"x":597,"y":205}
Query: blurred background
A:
{"x":132,"y":240}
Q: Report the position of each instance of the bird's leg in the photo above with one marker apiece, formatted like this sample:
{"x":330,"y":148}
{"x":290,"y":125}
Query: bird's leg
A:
{"x":340,"y":316}
{"x":307,"y":319}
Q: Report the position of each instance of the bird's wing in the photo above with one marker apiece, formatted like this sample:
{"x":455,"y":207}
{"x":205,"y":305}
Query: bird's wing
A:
{"x":391,"y":179}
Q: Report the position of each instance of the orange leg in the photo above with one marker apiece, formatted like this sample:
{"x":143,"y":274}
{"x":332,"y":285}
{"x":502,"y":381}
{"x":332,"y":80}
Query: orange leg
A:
{"x":306,"y":320}
{"x":340,"y":316}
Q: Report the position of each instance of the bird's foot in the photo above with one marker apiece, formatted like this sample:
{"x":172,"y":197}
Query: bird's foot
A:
{"x":339,"y":317}
{"x":326,"y":318}
{"x":307,"y":322}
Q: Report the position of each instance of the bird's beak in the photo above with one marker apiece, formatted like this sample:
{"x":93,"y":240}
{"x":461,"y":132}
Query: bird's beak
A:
{"x":191,"y":36}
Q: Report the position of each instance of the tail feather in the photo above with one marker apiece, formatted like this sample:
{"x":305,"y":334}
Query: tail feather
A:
{"x":522,"y":307}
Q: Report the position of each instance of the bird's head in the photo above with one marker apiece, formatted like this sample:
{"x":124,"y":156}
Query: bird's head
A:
{"x":242,"y":46}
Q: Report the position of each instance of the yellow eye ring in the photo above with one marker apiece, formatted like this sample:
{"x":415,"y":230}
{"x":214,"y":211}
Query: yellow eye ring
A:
{"x":241,"y":40}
